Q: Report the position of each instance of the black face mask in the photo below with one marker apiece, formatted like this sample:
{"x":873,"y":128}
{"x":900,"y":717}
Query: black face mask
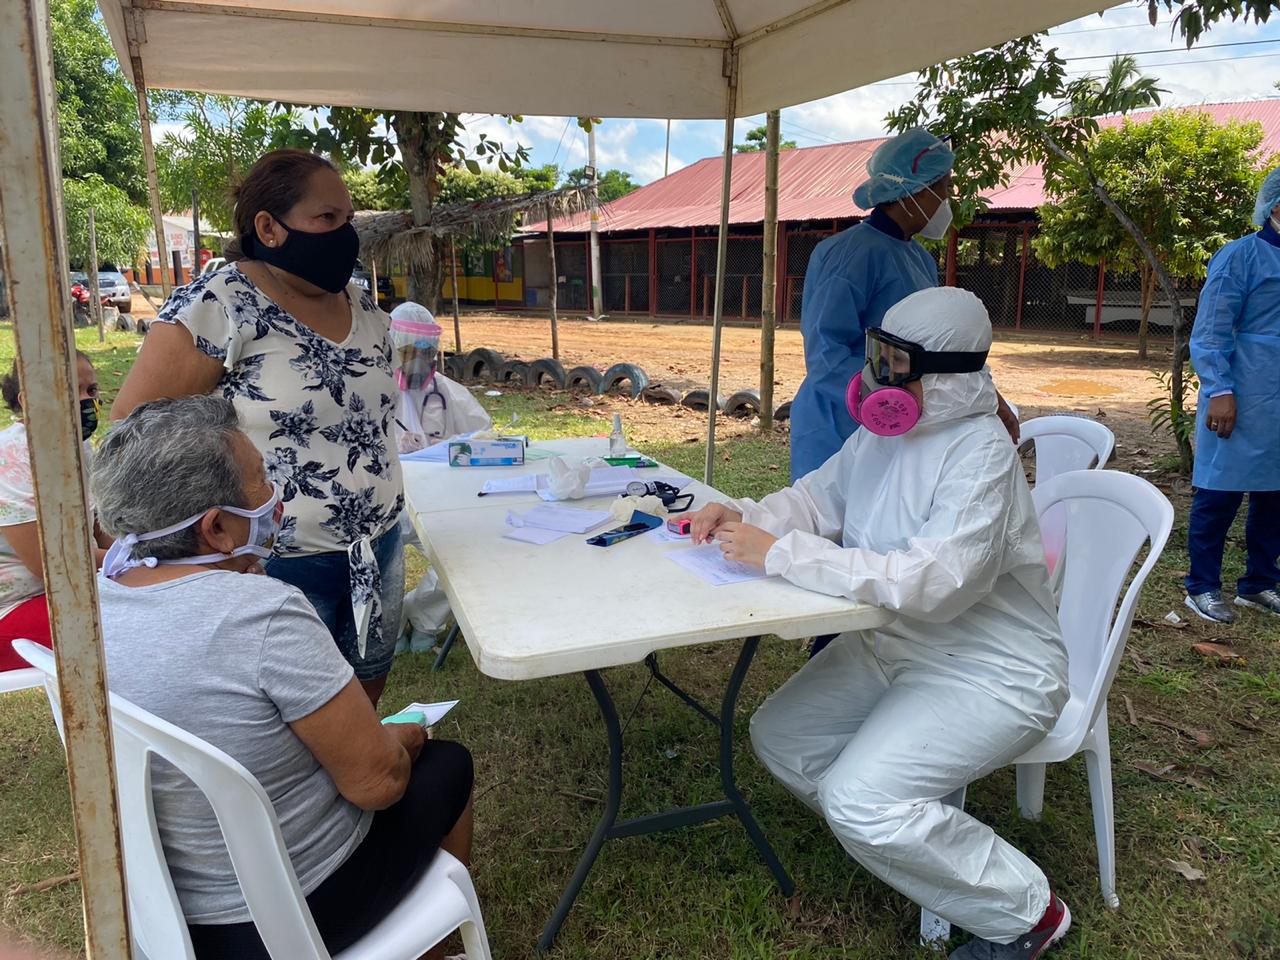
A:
{"x":324,"y":259}
{"x":88,"y":417}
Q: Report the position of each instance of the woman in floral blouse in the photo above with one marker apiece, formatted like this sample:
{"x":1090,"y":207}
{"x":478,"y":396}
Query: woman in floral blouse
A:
{"x":304,"y":355}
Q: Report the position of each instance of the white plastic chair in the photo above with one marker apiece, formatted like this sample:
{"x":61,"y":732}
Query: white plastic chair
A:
{"x":1063,"y":444}
{"x":11,"y":680}
{"x":442,"y":901}
{"x":1110,"y":516}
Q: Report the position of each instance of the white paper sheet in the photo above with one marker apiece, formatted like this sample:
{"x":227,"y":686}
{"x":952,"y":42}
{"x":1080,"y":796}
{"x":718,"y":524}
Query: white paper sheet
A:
{"x":709,"y":564}
{"x":666,"y":536}
{"x":604,"y":482}
{"x":522,"y":483}
{"x":555,"y":517}
{"x":437,"y":452}
{"x":538,"y":535}
{"x":434,"y":712}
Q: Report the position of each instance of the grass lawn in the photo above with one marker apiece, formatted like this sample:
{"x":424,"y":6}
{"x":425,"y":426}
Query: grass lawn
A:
{"x":703,"y":893}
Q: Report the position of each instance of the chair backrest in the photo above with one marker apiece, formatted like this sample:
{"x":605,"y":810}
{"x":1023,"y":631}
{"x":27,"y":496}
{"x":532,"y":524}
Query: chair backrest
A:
{"x":1064,"y":444}
{"x":1110,"y":516}
{"x":245,"y":816}
{"x":11,"y":680}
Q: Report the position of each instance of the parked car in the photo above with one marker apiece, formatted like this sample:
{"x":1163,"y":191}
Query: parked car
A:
{"x":362,"y":276}
{"x":213,"y":264}
{"x":114,"y":290}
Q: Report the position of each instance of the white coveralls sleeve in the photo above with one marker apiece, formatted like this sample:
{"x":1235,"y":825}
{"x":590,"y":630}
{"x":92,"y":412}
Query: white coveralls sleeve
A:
{"x":814,"y":504}
{"x":942,"y":569}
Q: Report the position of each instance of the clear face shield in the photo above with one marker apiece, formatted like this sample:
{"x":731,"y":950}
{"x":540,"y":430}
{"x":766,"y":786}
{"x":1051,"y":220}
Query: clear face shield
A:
{"x":415,"y":354}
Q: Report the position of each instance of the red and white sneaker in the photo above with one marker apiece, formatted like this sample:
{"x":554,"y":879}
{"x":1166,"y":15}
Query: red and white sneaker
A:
{"x":1053,"y":926}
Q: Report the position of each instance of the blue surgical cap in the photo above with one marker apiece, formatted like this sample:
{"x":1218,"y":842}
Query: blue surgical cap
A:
{"x":1268,"y":197}
{"x":903,"y":165}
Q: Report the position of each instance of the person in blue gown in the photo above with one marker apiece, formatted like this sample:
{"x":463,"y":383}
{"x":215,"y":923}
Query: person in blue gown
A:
{"x":1235,"y":347}
{"x":855,"y":276}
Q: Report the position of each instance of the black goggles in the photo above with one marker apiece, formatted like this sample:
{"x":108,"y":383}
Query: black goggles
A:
{"x":894,"y":361}
{"x":669,"y":495}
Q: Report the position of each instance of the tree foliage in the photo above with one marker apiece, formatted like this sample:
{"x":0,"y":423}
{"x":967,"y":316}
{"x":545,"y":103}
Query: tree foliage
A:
{"x":221,"y":138}
{"x":121,"y":226}
{"x":756,"y":139}
{"x":1195,"y":17}
{"x":98,"y":125}
{"x":1186,"y":181}
{"x":611,"y":184}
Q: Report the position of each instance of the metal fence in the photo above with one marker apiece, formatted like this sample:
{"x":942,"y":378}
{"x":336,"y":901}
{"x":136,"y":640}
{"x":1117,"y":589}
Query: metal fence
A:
{"x":672,"y":273}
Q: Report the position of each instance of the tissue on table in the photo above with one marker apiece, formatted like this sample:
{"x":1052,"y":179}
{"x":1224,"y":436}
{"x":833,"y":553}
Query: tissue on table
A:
{"x":623,"y":507}
{"x":566,"y":481}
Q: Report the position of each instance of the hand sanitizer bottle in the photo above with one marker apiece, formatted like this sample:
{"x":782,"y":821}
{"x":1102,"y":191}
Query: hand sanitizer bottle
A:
{"x":617,"y":442}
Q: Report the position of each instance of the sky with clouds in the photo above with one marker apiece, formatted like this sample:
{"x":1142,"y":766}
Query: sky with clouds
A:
{"x":1208,"y":73}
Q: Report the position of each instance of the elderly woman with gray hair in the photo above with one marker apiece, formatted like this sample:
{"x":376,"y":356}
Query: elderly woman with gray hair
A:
{"x":244,"y":663}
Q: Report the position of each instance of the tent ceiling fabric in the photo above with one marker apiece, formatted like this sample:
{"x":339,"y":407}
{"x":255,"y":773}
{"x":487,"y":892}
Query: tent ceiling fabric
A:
{"x":605,"y":58}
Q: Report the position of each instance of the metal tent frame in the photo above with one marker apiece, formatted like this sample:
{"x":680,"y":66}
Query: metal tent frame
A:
{"x":665,"y":58}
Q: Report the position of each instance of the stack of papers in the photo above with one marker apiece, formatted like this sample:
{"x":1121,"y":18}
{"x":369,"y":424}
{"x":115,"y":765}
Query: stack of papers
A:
{"x":437,"y":452}
{"x":547,"y":522}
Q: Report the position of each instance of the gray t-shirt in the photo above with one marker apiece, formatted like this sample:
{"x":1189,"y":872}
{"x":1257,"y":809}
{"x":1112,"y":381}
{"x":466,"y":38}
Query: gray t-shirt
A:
{"x":233,"y":659}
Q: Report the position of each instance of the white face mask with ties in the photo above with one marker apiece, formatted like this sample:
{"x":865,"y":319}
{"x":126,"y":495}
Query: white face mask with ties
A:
{"x":936,"y":226}
{"x":264,"y":526}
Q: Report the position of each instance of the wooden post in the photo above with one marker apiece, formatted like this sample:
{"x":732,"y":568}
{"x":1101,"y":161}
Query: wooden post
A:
{"x":95,"y":298}
{"x":769,"y":279}
{"x":453,"y":282}
{"x":653,"y":271}
{"x":35,"y":266}
{"x":693,"y":272}
{"x":1097,"y":310}
{"x":952,"y":242}
{"x":195,"y":233}
{"x":133,"y":26}
{"x":373,"y":279}
{"x":555,"y":286}
{"x":1022,"y":277}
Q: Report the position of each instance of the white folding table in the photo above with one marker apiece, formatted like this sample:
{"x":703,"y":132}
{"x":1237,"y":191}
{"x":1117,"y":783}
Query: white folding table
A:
{"x":530,"y":611}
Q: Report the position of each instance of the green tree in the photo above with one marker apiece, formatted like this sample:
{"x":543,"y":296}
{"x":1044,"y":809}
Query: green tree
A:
{"x":1187,"y":182}
{"x":122,"y":227}
{"x":221,"y":138}
{"x":756,"y":142}
{"x":97,"y":113}
{"x":413,"y":148}
{"x":612,"y":184}
{"x":370,"y":191}
{"x":539,"y":179}
{"x":1123,"y":90}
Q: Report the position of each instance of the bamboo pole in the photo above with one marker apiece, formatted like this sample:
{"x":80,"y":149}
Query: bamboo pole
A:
{"x":36,"y":268}
{"x":555,"y":284}
{"x":453,"y":282}
{"x":95,"y":297}
{"x":149,"y":154}
{"x":768,"y":318}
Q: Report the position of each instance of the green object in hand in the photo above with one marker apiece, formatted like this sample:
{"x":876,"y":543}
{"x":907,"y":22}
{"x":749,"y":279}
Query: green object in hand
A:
{"x":412,"y":716}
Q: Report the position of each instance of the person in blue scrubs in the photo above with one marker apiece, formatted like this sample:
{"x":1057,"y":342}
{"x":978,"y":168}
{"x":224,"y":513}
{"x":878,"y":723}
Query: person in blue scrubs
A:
{"x":1235,"y":346}
{"x":856,"y":276}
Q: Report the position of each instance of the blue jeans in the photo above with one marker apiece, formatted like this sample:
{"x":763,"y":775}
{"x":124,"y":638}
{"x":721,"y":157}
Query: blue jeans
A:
{"x":1212,"y":513}
{"x":325,"y":578}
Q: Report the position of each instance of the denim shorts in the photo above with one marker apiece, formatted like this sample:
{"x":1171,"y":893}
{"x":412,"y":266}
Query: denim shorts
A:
{"x":326,"y":581}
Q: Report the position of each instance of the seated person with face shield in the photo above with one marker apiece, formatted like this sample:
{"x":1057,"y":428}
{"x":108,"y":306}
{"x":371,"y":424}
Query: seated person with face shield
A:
{"x":925,"y":512}
{"x":244,"y":663}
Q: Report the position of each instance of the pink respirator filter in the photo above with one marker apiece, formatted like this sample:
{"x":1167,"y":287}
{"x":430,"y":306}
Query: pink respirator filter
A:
{"x":886,"y":411}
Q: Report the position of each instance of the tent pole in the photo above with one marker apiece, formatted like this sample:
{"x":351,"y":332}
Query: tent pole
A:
{"x":453,"y":285}
{"x":769,"y":276}
{"x":35,"y":262}
{"x":148,"y":149}
{"x":555,"y":281}
{"x":722,"y":249}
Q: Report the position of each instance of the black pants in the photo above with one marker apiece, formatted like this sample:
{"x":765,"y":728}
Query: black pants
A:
{"x":820,"y":643}
{"x":401,"y":843}
{"x":1212,"y":513}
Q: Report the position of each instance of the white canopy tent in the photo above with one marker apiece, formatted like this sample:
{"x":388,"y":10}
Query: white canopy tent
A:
{"x":616,"y":58}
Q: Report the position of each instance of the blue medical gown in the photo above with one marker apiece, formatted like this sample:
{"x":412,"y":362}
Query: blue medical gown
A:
{"x":1235,"y":346}
{"x":852,"y":281}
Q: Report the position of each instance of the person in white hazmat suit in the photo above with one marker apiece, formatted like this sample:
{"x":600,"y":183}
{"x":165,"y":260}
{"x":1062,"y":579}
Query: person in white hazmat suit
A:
{"x":431,"y":408}
{"x":926,"y":513}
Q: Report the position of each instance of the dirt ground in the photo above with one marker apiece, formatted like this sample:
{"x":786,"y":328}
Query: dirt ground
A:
{"x":1041,"y":373}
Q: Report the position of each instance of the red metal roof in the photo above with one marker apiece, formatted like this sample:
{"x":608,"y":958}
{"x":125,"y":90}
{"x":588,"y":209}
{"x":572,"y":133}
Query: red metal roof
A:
{"x":816,"y":183}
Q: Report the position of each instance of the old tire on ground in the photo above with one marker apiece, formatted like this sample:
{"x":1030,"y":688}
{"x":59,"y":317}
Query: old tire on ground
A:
{"x":583,"y":379}
{"x":658,"y":394}
{"x":547,"y":373}
{"x":482,"y":364}
{"x":621,"y":373}
{"x":700,"y":400}
{"x":744,"y":403}
{"x":452,"y":366}
{"x":516,"y":373}
{"x":783,"y":412}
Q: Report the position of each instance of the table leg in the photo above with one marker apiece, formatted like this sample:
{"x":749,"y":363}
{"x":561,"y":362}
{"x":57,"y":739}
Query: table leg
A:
{"x":605,"y":826}
{"x":445,"y":647}
{"x":727,"y":780}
